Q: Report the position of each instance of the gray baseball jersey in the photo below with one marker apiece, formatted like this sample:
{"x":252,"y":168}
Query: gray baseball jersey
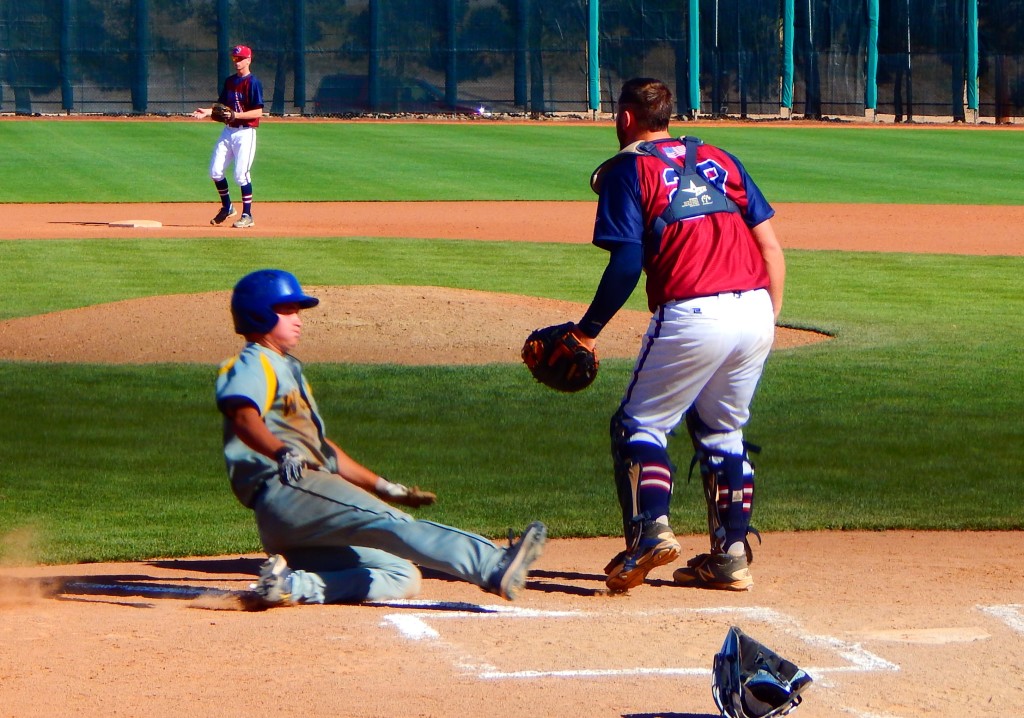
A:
{"x":360,"y":547}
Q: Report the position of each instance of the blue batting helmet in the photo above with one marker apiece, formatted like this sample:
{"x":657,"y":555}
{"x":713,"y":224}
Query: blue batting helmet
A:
{"x":256,"y":295}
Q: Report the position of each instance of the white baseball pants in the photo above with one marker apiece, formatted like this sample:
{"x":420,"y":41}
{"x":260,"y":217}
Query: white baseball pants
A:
{"x":708,"y":352}
{"x":235,"y":145}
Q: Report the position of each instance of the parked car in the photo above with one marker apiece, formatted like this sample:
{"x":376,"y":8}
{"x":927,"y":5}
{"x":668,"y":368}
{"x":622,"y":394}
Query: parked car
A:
{"x":350,"y":94}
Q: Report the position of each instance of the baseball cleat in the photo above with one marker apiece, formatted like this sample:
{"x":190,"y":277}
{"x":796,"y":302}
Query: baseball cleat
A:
{"x":274,"y":588}
{"x":617,"y":560}
{"x":657,"y":546}
{"x":717,"y":571}
{"x":244,"y":221}
{"x":509,"y":577}
{"x":224,"y":215}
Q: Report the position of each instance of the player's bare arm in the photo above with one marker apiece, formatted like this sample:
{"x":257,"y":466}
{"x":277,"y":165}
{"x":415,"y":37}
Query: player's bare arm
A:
{"x":358,"y":475}
{"x":253,"y":114}
{"x":251,"y":429}
{"x":204,"y":113}
{"x":775,"y":261}
{"x":352,"y":471}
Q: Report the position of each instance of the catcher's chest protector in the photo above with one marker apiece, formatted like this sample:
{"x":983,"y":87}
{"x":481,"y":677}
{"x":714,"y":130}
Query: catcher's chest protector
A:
{"x":694,"y":196}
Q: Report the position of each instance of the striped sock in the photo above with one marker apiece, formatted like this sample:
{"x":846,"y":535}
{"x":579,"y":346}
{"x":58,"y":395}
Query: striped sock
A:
{"x":247,"y":199}
{"x":654,"y":490}
{"x":222,"y":190}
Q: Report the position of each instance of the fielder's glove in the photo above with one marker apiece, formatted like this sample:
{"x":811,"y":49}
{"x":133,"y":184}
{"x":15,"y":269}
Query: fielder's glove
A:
{"x":289,"y":466}
{"x":222,"y":113}
{"x":557,"y":358}
{"x":752,"y":681}
{"x":403,"y":495}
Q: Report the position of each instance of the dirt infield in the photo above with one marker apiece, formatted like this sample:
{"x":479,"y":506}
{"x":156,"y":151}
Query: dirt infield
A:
{"x":889,"y":624}
{"x":960,"y":229}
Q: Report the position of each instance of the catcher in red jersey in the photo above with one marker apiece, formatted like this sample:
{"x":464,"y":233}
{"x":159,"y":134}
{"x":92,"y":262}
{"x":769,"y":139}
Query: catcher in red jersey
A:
{"x":690,"y":216}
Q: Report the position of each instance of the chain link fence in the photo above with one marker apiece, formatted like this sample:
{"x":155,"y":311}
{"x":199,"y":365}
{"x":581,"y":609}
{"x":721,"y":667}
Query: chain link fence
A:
{"x":329,"y":57}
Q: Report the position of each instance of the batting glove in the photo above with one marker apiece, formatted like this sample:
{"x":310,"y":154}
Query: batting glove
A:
{"x":402,"y":495}
{"x":289,"y":466}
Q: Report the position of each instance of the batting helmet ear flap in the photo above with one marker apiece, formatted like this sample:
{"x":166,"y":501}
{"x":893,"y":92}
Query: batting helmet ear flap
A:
{"x":257,"y":293}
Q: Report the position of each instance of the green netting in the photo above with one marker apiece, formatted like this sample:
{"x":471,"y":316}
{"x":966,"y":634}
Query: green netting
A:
{"x":830,"y":50}
{"x":1001,"y":62}
{"x":518,"y":56}
{"x":741,"y":56}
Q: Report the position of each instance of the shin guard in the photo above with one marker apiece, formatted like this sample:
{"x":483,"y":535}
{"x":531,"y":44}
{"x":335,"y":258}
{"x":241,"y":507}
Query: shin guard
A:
{"x":728,"y":480}
{"x":643,"y":479}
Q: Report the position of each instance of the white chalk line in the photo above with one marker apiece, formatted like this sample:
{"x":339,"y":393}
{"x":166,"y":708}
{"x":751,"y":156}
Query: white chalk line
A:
{"x":1012,"y":614}
{"x":417,"y":626}
{"x":414,"y":626}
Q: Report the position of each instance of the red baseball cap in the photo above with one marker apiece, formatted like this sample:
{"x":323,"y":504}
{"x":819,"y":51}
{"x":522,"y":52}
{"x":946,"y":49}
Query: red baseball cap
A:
{"x":241,"y":51}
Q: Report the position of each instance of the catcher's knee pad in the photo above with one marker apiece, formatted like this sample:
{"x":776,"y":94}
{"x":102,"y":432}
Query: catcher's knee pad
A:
{"x":643,"y":477}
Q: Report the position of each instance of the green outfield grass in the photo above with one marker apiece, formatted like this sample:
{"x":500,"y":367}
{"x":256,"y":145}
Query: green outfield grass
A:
{"x":154,"y":161}
{"x":908,"y":418}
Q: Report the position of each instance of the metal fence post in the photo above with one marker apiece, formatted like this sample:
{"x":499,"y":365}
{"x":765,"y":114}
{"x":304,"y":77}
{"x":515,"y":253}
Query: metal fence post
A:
{"x":373,"y":61}
{"x":140,"y":70}
{"x":299,"y":92}
{"x":972,"y":59}
{"x":788,"y":32}
{"x":519,"y":71}
{"x":871,"y":81}
{"x":694,"y":34}
{"x":67,"y":91}
{"x":451,"y":69}
{"x":593,"y":59}
{"x":910,"y":68}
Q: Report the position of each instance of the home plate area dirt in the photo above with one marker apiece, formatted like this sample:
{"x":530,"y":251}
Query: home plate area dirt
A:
{"x":888,"y":624}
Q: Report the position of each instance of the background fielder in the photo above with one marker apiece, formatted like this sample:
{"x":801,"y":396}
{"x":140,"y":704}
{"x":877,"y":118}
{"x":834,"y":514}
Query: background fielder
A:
{"x":242,"y":93}
{"x":690,"y":216}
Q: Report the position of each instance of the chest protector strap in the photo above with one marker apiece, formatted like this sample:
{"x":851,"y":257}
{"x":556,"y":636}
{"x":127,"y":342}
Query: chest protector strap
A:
{"x":694,"y":196}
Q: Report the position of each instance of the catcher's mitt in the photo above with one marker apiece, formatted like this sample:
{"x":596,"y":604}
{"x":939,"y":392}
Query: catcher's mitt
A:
{"x":752,"y":681}
{"x":222,"y":113}
{"x":557,"y":358}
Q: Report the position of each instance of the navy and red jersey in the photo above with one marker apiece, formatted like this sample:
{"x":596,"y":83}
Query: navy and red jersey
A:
{"x":242,"y":94}
{"x":696,"y":257}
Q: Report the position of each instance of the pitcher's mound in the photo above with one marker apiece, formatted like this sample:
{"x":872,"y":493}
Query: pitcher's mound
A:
{"x":353,"y":324}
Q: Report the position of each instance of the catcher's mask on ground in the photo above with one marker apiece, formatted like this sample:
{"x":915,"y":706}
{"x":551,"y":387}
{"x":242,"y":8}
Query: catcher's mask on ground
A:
{"x":750,"y":680}
{"x":256,"y":295}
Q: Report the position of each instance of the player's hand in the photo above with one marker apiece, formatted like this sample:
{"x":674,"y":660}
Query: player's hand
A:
{"x":401,"y":495}
{"x":289,"y":466}
{"x":201,"y":114}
